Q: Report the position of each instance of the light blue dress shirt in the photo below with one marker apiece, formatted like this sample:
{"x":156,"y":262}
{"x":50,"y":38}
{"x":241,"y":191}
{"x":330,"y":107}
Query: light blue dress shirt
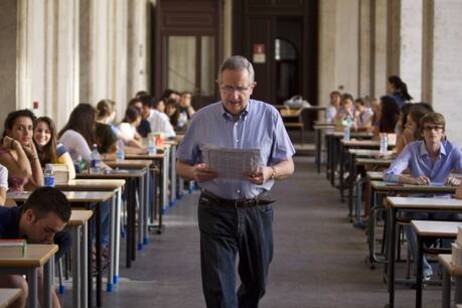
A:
{"x":259,"y":126}
{"x":415,"y":157}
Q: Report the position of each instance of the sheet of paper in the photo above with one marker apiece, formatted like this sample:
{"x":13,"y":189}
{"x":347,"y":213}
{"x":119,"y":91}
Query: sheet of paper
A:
{"x":231,"y":163}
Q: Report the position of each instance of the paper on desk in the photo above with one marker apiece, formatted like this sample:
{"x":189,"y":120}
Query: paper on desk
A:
{"x":231,"y":163}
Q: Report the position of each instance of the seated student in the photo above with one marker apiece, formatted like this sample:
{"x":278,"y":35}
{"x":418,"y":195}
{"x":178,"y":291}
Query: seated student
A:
{"x":185,"y":110}
{"x":128,"y":126}
{"x":144,"y":128}
{"x":48,"y":149}
{"x":171,"y":110}
{"x":363,"y":116}
{"x":430,"y":160}
{"x":411,"y":123}
{"x":44,"y":214}
{"x":346,"y":110}
{"x":18,"y":153}
{"x":397,"y":88}
{"x":389,"y":114}
{"x":158,"y":121}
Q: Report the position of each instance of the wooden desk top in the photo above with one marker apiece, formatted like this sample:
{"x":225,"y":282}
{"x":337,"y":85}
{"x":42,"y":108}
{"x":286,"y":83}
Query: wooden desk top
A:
{"x":374,"y":175}
{"x":366,"y":144}
{"x":373,"y":161}
{"x":425,"y":203}
{"x":113,"y":174}
{"x":369,"y":153}
{"x":91,"y":185}
{"x":36,"y":256}
{"x":436,"y":228}
{"x":128,"y":163}
{"x":79,"y":217}
{"x":446,"y":262}
{"x":8,"y":296}
{"x":72,"y":196}
{"x":353,"y":134}
{"x":158,"y":156}
{"x":398,"y":187}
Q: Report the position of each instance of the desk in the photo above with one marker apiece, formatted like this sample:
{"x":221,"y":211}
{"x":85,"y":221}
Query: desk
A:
{"x":115,"y":185}
{"x":161,"y":161}
{"x":129,"y":175}
{"x":86,"y":198}
{"x":426,"y":229}
{"x":396,"y":204}
{"x":450,"y":270}
{"x":8,"y":296}
{"x":79,"y":231}
{"x":36,"y":256}
{"x":319,"y":127}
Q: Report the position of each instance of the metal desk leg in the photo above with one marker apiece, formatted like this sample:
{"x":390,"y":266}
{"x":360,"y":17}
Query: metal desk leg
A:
{"x":419,"y":274}
{"x":48,"y":281}
{"x":318,"y":150}
{"x":146,"y":204}
{"x":458,"y":293}
{"x":391,"y":257}
{"x":99,"y":274}
{"x":76,"y":278}
{"x":112,"y":232}
{"x":446,"y":300}
{"x":118,"y":210}
{"x":32,"y":284}
{"x":342,"y":167}
{"x":172,"y":175}
{"x":84,"y":266}
{"x":142,"y":205}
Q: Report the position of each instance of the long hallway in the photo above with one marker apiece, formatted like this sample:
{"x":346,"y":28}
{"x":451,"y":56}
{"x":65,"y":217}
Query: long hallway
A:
{"x":318,"y":257}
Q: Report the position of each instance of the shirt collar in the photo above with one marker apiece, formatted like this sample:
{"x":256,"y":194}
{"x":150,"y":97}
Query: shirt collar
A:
{"x":423,"y":150}
{"x":242,"y":115}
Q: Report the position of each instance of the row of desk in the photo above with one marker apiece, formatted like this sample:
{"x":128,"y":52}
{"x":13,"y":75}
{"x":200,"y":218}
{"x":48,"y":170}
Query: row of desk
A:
{"x":90,"y":190}
{"x":365,"y":153}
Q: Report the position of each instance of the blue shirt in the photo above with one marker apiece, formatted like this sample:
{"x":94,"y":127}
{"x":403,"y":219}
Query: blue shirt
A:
{"x":9,"y":222}
{"x":259,"y":126}
{"x":415,"y":157}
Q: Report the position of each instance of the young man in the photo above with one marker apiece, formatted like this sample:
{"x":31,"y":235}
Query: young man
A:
{"x":159,"y":121}
{"x":235,"y":216}
{"x":429,"y":161}
{"x":44,"y":214}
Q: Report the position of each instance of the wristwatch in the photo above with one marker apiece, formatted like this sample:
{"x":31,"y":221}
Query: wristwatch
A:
{"x":274,"y":174}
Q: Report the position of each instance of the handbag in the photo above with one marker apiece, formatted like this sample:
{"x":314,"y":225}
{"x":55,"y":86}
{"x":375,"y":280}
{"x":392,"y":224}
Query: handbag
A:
{"x":296,"y":101}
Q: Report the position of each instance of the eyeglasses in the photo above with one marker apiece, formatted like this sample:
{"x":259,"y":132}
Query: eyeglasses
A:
{"x":430,"y":128}
{"x":231,"y":89}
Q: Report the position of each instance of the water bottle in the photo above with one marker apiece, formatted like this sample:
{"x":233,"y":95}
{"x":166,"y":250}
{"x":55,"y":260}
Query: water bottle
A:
{"x":346,"y":133}
{"x":151,"y":148}
{"x":120,"y":153}
{"x":95,"y":160}
{"x":48,"y":176}
{"x":383,"y":144}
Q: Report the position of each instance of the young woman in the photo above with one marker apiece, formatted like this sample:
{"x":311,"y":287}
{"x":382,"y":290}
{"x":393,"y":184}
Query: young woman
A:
{"x":397,"y":88}
{"x":128,"y":128}
{"x":48,"y":149}
{"x":18,"y":153}
{"x":389,"y":114}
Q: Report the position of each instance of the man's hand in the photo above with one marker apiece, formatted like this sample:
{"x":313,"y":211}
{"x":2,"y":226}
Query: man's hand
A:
{"x":260,"y":176}
{"x":203,"y":173}
{"x":421,"y":180}
{"x":453,"y":181}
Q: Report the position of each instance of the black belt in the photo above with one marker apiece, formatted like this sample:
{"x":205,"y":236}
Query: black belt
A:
{"x":241,"y":203}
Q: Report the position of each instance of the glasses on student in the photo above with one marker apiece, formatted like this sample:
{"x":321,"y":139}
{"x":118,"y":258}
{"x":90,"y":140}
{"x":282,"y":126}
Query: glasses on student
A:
{"x":232,"y":89}
{"x":435,"y":128}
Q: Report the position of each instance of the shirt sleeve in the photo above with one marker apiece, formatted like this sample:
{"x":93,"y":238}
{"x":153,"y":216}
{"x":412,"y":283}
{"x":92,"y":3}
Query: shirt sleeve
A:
{"x":3,"y":177}
{"x":60,"y":150}
{"x":282,"y":148}
{"x":398,"y":165}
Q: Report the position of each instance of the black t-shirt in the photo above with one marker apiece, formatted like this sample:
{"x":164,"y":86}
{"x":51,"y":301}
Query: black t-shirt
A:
{"x":144,"y":128}
{"x":9,"y":222}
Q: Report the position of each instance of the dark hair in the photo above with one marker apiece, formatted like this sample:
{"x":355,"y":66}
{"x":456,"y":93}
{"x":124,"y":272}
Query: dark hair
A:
{"x":389,"y":114}
{"x":12,"y":116}
{"x":141,"y":93}
{"x":131,"y":114}
{"x":47,"y":154}
{"x":335,"y":93}
{"x":45,"y":200}
{"x":360,"y":101}
{"x":82,"y":120}
{"x":237,"y":63}
{"x":346,"y":96}
{"x":433,"y":118}
{"x":105,"y":108}
{"x":157,"y":102}
{"x":400,"y":87}
{"x":147,"y":100}
{"x":166,"y":94}
{"x":133,"y":102}
{"x":172,"y":103}
{"x":416,"y":113}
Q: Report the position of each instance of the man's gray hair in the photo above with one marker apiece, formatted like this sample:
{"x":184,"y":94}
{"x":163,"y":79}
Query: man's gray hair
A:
{"x":237,"y":63}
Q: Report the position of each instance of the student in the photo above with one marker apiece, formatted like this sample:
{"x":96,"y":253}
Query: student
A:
{"x":18,"y":153}
{"x":144,"y":128}
{"x":235,"y":216}
{"x":48,"y":148}
{"x":44,"y":215}
{"x":3,"y":184}
{"x":346,"y":110}
{"x":159,"y":122}
{"x":430,"y":160}
{"x":364,"y":115}
{"x":389,"y":114}
{"x":185,"y":110}
{"x":398,"y":90}
{"x":332,"y":109}
{"x":128,"y":127}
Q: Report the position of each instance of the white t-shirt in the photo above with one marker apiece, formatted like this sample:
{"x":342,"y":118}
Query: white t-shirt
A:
{"x":3,"y":177}
{"x":160,"y":123}
{"x":127,"y":132}
{"x":76,"y":145}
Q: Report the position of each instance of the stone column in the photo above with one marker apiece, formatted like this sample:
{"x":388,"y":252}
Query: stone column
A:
{"x":364,"y":78}
{"x":9,"y":28}
{"x":378,"y":47}
{"x":444,"y":74}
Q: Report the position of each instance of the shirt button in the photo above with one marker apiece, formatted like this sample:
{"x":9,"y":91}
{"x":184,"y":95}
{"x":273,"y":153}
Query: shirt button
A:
{"x":238,"y":191}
